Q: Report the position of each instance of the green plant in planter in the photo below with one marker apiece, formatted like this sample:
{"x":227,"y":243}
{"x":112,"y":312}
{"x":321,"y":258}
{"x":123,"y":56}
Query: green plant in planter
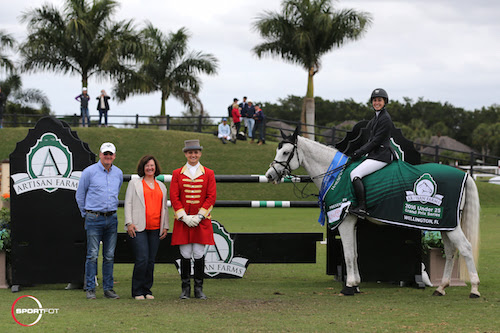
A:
{"x":5,"y":228}
{"x":432,"y":239}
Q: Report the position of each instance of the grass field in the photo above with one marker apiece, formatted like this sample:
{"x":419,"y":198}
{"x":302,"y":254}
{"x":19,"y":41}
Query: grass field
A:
{"x":269,"y":298}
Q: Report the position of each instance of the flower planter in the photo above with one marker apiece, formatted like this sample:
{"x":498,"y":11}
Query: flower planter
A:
{"x":436,"y":269}
{"x":3,"y":270}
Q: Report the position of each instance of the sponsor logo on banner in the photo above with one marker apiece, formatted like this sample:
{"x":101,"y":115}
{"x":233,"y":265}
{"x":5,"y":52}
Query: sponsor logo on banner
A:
{"x":219,"y":258}
{"x":49,"y":165}
{"x":423,"y":204}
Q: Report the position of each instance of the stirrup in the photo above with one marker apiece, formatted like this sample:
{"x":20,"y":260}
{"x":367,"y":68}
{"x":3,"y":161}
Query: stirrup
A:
{"x":361,"y":213}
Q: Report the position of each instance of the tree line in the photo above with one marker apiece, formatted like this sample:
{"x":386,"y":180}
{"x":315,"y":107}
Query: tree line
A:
{"x":418,"y":120}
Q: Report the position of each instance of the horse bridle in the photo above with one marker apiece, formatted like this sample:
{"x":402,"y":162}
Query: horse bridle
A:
{"x":286,"y":164}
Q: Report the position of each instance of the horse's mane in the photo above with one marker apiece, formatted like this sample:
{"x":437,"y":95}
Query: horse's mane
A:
{"x":317,"y":144}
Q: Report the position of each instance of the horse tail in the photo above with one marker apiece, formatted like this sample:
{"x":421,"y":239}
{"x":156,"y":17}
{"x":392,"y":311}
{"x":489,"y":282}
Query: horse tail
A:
{"x":470,"y":223}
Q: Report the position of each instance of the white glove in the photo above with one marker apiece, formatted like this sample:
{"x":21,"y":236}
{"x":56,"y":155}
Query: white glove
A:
{"x":188,"y":219}
{"x":198,"y":218}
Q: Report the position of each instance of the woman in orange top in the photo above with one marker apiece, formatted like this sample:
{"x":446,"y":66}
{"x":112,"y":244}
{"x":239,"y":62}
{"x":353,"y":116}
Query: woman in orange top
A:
{"x":146,"y":222}
{"x":192,"y":193}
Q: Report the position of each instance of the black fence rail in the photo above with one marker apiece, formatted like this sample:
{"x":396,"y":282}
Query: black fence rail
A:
{"x":477,"y":165}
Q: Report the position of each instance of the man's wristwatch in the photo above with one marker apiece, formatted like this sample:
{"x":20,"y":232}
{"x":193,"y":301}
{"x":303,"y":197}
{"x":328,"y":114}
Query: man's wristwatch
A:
{"x":202,"y":217}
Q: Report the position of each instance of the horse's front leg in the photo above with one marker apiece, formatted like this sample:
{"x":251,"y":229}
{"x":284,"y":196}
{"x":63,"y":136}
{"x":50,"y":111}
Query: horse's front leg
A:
{"x":347,"y":230}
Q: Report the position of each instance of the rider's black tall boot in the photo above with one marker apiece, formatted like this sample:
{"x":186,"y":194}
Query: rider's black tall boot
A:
{"x":185,"y":278}
{"x":359,"y":191}
{"x":199,"y":274}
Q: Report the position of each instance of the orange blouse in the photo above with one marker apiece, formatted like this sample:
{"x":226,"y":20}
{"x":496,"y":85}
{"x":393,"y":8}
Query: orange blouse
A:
{"x":153,"y":199}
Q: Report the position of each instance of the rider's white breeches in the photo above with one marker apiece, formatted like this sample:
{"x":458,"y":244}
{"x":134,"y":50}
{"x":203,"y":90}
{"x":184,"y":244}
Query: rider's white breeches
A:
{"x":367,"y":167}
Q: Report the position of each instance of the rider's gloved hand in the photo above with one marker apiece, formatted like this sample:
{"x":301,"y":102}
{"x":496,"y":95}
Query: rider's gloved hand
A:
{"x":356,"y":155}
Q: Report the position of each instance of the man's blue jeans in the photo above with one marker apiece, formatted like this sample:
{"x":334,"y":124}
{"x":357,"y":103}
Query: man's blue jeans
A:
{"x":100,"y":228}
{"x":145,"y":245}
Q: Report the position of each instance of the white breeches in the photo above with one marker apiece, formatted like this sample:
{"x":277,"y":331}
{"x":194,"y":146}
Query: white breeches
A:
{"x":367,"y":167}
{"x":194,"y":250}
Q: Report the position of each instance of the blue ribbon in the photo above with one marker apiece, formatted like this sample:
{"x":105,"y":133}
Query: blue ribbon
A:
{"x":338,"y":161}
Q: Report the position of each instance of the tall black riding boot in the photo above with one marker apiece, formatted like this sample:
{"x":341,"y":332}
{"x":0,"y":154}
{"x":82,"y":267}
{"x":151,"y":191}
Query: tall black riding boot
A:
{"x":185,"y":278}
{"x":359,"y":191}
{"x":199,"y":274}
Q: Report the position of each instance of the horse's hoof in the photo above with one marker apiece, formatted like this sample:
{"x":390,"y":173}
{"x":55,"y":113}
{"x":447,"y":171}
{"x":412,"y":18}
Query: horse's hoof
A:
{"x":348,"y":291}
{"x":356,"y":290}
{"x":471,"y":295}
{"x":437,"y":293}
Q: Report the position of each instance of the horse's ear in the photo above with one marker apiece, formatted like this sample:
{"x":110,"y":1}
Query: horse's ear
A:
{"x":283,"y":135}
{"x":295,"y":134}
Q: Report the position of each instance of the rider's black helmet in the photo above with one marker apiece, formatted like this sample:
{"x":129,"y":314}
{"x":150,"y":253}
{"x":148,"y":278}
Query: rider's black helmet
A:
{"x":379,"y":92}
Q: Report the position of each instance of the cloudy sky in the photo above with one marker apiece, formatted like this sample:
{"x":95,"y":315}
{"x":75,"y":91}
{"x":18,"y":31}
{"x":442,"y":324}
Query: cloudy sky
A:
{"x":441,"y":50}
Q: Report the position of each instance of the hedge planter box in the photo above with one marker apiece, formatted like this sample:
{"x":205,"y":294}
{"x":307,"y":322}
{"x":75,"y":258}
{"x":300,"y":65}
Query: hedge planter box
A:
{"x":436,"y":269}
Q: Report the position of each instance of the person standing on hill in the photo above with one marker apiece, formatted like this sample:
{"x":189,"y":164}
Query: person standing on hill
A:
{"x":103,"y":107}
{"x":84,"y":98}
{"x":258,"y":116}
{"x":250,"y":121}
{"x":244,"y":110}
{"x":236,"y":118}
{"x":192,"y":194}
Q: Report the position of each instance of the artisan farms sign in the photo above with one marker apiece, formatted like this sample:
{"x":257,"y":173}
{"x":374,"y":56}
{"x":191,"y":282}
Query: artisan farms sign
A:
{"x":49,"y":166}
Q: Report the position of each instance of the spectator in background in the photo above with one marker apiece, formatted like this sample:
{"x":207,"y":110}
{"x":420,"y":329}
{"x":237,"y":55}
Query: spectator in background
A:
{"x":103,"y":107}
{"x":224,"y":132}
{"x":258,"y":116}
{"x":236,"y":117}
{"x":230,"y":110}
{"x":250,"y":120}
{"x":83,"y":98}
{"x":230,"y":116}
{"x":244,"y":110}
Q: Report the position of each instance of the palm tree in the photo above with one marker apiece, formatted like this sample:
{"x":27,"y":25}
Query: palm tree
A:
{"x":80,"y":40}
{"x":302,"y":33}
{"x":168,"y":67}
{"x":6,"y":42}
{"x":27,"y":104}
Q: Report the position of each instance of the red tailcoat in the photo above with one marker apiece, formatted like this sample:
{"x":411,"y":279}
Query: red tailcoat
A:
{"x":190,"y":196}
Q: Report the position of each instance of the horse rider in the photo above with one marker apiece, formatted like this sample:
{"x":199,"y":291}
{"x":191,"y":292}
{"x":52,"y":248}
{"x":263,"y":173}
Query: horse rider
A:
{"x":378,"y":148}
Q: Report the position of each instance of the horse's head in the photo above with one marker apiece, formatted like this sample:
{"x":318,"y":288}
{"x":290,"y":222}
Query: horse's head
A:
{"x":286,"y":158}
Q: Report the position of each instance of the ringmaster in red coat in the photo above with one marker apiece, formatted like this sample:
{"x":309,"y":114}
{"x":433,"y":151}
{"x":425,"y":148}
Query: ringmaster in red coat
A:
{"x":192,"y":194}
